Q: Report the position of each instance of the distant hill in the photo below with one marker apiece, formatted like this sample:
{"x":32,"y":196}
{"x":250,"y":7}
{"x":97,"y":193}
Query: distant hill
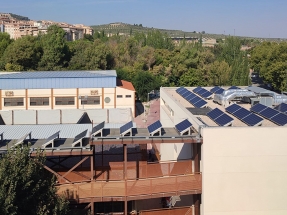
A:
{"x":15,"y":16}
{"x":129,"y":29}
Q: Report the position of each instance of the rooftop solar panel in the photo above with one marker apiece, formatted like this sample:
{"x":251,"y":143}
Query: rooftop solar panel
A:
{"x":195,"y":99}
{"x":200,"y":91}
{"x":241,"y":113}
{"x":183,"y":126}
{"x":200,"y":103}
{"x":79,"y":137}
{"x":280,"y":119}
{"x":98,"y":128}
{"x":269,"y":112}
{"x":281,"y":107}
{"x":224,"y":120}
{"x":219,"y":91}
{"x":126,"y":128}
{"x":196,"y":89}
{"x":179,"y":89}
{"x":232,"y":108}
{"x":215,"y":113}
{"x":214,"y":89}
{"x":252,"y":120}
{"x":206,"y":94}
{"x":155,"y":127}
{"x":258,"y":108}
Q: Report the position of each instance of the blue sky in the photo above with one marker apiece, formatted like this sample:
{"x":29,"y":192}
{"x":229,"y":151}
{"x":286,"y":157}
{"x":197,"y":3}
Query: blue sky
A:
{"x":258,"y":18}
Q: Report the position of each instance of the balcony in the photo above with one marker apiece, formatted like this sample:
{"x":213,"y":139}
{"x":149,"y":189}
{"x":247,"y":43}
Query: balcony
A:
{"x":141,"y":181}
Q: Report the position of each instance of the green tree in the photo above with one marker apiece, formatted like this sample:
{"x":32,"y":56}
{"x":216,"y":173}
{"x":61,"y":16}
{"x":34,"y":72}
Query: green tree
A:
{"x":145,"y":82}
{"x":25,"y":52}
{"x":26,"y":187}
{"x":55,"y":49}
{"x":5,"y":41}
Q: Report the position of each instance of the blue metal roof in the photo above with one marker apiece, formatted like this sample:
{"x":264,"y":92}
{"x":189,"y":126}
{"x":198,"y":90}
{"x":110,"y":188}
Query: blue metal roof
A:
{"x":58,"y":79}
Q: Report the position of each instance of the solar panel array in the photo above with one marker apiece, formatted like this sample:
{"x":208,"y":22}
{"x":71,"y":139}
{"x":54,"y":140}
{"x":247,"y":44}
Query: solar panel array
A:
{"x":281,"y":107}
{"x":219,"y":117}
{"x":202,"y":92}
{"x":217,"y":90}
{"x":244,"y":115}
{"x":183,"y":126}
{"x":193,"y":99}
{"x":98,"y":128}
{"x":79,"y":137}
{"x":155,"y":127}
{"x":271,"y":114}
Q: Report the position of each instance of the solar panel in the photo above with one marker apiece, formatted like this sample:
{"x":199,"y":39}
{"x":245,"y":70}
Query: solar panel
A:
{"x":214,"y":89}
{"x":154,"y":128}
{"x":215,"y":113}
{"x":178,"y":90}
{"x":186,"y":94}
{"x":281,"y":107}
{"x":98,"y":128}
{"x":224,"y":120}
{"x":241,"y":113}
{"x":50,"y":140}
{"x":232,"y":108}
{"x":183,"y":126}
{"x":201,"y":91}
{"x":269,"y":112}
{"x":200,"y":103}
{"x":79,"y":137}
{"x":19,"y":141}
{"x":195,"y":99}
{"x":196,"y":89}
{"x":126,"y":128}
{"x":206,"y":94}
{"x":252,"y":119}
{"x":233,"y":88}
{"x":219,"y":91}
{"x":258,"y":108}
{"x":280,"y":119}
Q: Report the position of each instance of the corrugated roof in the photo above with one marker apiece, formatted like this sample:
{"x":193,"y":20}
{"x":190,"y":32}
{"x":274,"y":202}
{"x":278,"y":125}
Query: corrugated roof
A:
{"x":44,"y":131}
{"x":58,"y":74}
{"x":58,"y":79}
{"x":125,"y":84}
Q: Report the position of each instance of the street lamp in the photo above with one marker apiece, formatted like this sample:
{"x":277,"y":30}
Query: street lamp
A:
{"x":83,"y":100}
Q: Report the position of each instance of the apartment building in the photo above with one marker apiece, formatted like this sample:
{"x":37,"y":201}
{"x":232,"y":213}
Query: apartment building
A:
{"x":19,"y":28}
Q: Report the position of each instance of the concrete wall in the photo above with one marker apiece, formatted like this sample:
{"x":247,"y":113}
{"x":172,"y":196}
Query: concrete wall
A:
{"x":244,"y":171}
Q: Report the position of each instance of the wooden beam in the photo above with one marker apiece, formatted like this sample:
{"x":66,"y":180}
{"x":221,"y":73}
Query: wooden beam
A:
{"x":74,"y":167}
{"x":26,"y":99}
{"x":196,"y":157}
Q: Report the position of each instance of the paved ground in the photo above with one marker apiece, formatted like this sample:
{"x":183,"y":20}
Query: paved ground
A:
{"x":148,"y":113}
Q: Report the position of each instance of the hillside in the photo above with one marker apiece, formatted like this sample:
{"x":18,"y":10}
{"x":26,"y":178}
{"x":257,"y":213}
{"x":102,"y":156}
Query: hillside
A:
{"x":128,"y":29}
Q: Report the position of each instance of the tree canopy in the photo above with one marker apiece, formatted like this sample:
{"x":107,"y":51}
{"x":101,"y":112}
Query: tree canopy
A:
{"x":26,"y":187}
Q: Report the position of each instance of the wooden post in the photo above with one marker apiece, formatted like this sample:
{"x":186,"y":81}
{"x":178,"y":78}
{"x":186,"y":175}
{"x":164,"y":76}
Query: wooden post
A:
{"x":196,"y":157}
{"x":92,"y":164}
{"x":125,"y":177}
{"x":103,"y":98}
{"x":197,"y":204}
{"x":26,"y":98}
{"x":0,"y":99}
{"x":52,"y":99}
{"x":77,"y":99}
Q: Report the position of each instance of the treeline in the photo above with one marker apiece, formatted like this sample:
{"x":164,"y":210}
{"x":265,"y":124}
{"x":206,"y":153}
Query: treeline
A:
{"x":269,"y":59}
{"x":147,"y":60}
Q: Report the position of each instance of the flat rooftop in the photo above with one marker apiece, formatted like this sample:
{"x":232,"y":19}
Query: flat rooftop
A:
{"x":201,"y":115}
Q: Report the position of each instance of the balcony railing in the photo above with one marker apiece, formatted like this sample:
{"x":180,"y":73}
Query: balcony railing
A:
{"x":132,"y":189}
{"x":135,"y":170}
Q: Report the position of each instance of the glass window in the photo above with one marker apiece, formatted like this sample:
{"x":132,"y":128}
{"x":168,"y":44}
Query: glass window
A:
{"x":90,"y":100}
{"x":65,"y":100}
{"x":128,"y":96}
{"x":119,"y":96}
{"x":39,"y":101}
{"x":13,"y":102}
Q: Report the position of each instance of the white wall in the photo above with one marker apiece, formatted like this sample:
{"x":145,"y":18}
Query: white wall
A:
{"x":244,"y":171}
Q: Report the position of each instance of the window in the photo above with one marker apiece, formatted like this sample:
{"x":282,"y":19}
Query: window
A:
{"x":13,"y":102}
{"x":39,"y":101}
{"x":119,"y":96}
{"x":128,"y":96}
{"x":90,"y":100}
{"x":65,"y":100}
